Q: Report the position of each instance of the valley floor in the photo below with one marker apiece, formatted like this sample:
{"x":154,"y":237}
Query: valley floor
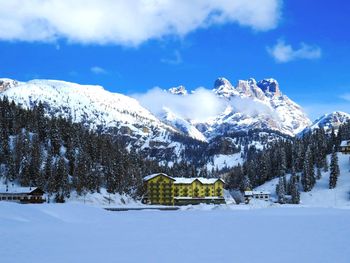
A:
{"x":81,"y":233}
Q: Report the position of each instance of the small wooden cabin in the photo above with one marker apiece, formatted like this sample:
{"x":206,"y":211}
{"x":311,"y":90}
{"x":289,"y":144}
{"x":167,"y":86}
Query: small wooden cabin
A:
{"x":24,"y":195}
{"x":345,"y":147}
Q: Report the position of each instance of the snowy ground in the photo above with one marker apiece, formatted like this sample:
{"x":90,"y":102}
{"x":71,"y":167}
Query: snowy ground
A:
{"x":80,"y":233}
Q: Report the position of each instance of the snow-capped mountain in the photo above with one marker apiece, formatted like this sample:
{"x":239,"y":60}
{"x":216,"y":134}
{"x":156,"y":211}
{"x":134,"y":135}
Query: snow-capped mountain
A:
{"x":91,"y":105}
{"x":180,"y":90}
{"x":257,"y":105}
{"x":328,"y":122}
{"x":181,"y":124}
{"x":248,"y":105}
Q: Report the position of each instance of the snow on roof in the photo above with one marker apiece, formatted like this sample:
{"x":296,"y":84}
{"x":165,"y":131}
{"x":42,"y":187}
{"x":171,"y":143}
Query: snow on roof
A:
{"x":149,"y":177}
{"x":17,"y":190}
{"x":345,"y":143}
{"x":184,"y":180}
{"x":257,"y":192}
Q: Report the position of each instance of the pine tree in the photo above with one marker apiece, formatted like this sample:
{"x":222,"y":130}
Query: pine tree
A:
{"x":280,"y":191}
{"x":294,"y":192}
{"x":61,"y":180}
{"x":334,"y":170}
{"x":308,"y":175}
{"x":318,"y":174}
{"x":325,"y":164}
{"x":245,"y":184}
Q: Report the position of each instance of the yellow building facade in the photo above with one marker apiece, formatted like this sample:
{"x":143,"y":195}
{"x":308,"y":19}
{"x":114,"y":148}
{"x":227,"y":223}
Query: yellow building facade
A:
{"x":162,"y":189}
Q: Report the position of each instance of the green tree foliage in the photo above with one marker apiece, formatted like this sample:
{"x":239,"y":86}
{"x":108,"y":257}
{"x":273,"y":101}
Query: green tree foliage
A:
{"x":334,"y":170}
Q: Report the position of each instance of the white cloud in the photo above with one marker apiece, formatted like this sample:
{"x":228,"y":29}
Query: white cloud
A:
{"x":127,"y":22}
{"x":283,"y":52}
{"x":175,"y":60}
{"x":98,"y":70}
{"x":200,"y":105}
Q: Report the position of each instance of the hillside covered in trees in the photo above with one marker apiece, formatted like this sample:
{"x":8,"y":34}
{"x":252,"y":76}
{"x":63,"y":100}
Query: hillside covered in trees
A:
{"x":305,"y":158}
{"x":60,"y":156}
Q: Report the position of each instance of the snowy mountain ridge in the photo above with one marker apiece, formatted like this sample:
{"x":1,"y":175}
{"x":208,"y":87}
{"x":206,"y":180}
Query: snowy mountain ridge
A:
{"x":328,"y":122}
{"x":250,"y":105}
{"x":91,"y":105}
{"x":270,"y":108}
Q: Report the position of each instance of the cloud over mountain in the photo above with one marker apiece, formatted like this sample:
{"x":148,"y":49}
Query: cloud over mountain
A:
{"x":199,"y":105}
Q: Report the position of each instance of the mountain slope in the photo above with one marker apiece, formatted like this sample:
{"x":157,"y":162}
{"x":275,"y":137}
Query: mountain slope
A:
{"x":91,"y":105}
{"x":328,"y":122}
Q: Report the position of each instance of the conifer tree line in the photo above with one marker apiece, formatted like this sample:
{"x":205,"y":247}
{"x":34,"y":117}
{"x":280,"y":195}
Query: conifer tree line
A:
{"x":60,"y":156}
{"x":303,"y":157}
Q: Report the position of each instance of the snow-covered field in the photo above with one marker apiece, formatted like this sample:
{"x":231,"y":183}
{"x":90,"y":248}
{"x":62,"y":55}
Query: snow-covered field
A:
{"x":81,"y":233}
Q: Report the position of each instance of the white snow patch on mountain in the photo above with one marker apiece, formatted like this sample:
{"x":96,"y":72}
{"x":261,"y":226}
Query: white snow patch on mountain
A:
{"x":221,"y":161}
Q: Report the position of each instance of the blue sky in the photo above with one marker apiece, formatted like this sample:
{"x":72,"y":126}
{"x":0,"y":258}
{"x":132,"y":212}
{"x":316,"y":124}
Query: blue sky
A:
{"x":305,"y":45}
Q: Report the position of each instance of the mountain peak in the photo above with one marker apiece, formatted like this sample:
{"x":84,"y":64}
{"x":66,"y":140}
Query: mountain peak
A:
{"x":221,"y":82}
{"x":6,"y":84}
{"x":329,"y":121}
{"x":224,"y":88}
{"x":180,"y":90}
{"x":269,"y":86}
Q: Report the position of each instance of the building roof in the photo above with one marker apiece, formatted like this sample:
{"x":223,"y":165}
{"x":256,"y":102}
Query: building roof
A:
{"x":151,"y":176}
{"x":17,"y":190}
{"x":249,"y":193}
{"x":184,"y":180}
{"x":345,"y":143}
